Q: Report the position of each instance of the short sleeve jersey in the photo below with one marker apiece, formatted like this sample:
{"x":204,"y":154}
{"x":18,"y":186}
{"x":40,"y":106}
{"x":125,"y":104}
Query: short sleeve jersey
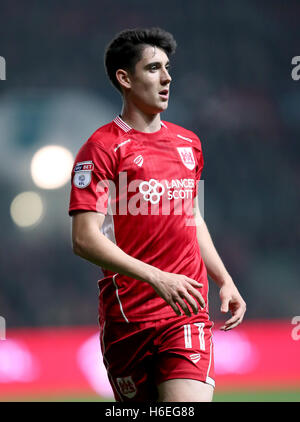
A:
{"x":145,"y":185}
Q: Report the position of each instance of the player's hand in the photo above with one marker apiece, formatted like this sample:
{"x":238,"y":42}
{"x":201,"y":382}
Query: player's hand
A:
{"x":232,"y":301}
{"x":179,"y":291}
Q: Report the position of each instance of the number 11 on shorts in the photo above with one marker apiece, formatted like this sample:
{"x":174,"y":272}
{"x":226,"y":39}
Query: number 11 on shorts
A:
{"x":188,"y":335}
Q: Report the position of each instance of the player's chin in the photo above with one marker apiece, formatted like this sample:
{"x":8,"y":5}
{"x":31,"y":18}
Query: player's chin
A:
{"x":157,"y":107}
{"x":162,"y":106}
{"x":156,"y":110}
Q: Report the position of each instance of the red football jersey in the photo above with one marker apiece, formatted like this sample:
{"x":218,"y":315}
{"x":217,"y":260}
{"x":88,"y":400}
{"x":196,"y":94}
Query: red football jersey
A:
{"x":145,"y":184}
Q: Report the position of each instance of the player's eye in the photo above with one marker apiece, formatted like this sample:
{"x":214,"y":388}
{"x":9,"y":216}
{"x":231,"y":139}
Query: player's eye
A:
{"x":153,"y":67}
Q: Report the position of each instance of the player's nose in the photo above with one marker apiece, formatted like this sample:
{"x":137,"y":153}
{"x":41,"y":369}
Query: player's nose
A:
{"x":166,"y":77}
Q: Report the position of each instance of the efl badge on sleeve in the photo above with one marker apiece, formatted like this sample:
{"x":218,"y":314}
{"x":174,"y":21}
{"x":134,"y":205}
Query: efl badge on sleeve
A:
{"x":187,"y":157}
{"x":83,"y":174}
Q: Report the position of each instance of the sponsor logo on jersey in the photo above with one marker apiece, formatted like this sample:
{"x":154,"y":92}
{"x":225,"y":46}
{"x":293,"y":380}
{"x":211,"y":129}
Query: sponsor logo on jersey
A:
{"x":187,"y":157}
{"x":127,"y":386}
{"x":152,"y":190}
{"x":83,"y":174}
{"x":139,"y":160}
{"x":195,"y":357}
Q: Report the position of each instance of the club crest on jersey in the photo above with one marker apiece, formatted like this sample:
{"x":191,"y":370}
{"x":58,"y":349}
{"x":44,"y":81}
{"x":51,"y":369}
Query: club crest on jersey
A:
{"x":187,"y":157}
{"x":139,"y":160}
{"x":127,"y":386}
{"x":83,"y":174}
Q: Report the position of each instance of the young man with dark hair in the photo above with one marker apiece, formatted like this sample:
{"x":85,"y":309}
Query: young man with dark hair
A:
{"x":136,"y":180}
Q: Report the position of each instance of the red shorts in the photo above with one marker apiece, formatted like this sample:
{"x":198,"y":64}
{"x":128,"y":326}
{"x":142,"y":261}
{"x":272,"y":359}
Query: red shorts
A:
{"x":140,"y":355}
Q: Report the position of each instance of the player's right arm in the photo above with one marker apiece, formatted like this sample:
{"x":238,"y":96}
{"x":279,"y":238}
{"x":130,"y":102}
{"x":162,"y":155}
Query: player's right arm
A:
{"x":89,"y":243}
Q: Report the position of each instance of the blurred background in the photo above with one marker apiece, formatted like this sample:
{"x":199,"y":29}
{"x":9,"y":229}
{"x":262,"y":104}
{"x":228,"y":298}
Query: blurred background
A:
{"x":232,"y":86}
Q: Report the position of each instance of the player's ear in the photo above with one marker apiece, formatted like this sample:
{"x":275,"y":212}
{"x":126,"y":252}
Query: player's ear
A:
{"x":123,"y":78}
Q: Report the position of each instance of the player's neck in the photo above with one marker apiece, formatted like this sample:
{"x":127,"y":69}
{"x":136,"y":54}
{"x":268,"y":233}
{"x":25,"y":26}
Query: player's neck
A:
{"x":141,"y":121}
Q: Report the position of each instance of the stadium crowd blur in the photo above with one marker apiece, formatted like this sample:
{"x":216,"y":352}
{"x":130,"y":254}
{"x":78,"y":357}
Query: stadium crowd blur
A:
{"x":232,"y":85}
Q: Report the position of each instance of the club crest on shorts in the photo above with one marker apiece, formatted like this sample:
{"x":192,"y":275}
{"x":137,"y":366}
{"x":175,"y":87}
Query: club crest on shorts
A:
{"x":127,"y":387}
{"x":187,"y":157}
{"x":83,"y":174}
{"x":195,"y":357}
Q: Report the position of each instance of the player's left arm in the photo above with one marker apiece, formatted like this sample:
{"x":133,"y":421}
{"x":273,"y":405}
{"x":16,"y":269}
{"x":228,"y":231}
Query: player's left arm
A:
{"x":231,"y":299}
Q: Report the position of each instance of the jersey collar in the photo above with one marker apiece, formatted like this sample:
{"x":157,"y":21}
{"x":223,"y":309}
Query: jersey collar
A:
{"x":125,"y":127}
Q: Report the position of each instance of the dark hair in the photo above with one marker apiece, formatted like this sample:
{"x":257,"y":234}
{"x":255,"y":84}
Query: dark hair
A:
{"x":125,"y":50}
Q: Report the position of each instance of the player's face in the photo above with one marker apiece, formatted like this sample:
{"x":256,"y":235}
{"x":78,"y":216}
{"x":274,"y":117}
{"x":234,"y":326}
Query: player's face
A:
{"x":150,"y":83}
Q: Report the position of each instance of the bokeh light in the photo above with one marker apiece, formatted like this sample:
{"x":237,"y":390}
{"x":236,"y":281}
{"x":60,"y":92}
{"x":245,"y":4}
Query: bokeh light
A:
{"x":51,"y":167}
{"x":26,"y":209}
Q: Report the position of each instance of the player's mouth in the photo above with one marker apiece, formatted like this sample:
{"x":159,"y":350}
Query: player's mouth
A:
{"x":164,"y":94}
